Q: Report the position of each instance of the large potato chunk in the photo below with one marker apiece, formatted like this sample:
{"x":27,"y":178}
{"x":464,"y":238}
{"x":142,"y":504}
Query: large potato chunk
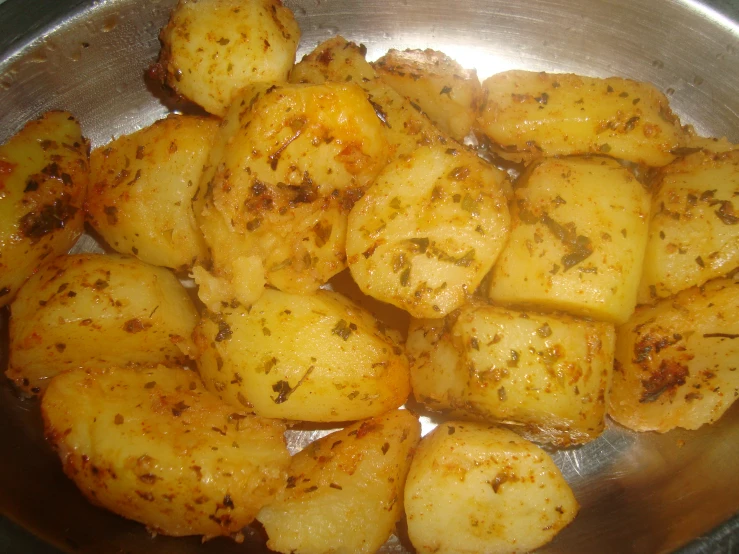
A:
{"x":428,"y":230}
{"x":677,"y":363}
{"x":694,"y":231}
{"x":345,"y":491}
{"x":311,"y":358}
{"x":213,"y":48}
{"x":93,"y":311}
{"x":289,"y":163}
{"x":43,"y":181}
{"x":154,"y":446}
{"x":529,"y":115}
{"x":545,"y":375}
{"x":578,"y":240}
{"x":141,"y":188}
{"x":473,"y":488}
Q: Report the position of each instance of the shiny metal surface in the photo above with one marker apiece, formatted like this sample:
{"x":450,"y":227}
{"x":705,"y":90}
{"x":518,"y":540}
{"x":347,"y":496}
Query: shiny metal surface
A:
{"x":639,"y":493}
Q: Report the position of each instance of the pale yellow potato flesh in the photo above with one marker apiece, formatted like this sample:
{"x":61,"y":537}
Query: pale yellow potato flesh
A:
{"x":141,"y":190}
{"x":43,"y":182}
{"x":529,"y":115}
{"x":154,"y":446}
{"x":93,"y":310}
{"x":344,"y":492}
{"x":677,"y":362}
{"x":694,"y":227}
{"x":475,"y":488}
{"x":316,"y":357}
{"x":213,"y":48}
{"x":579,"y":232}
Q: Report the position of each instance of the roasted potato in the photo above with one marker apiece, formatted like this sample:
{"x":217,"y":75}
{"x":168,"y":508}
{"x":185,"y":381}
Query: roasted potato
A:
{"x":141,"y":189}
{"x":154,"y":446}
{"x":92,"y":310}
{"x":344,"y":492}
{"x":313,"y":357}
{"x":474,"y":488}
{"x":677,"y":361}
{"x":213,"y":48}
{"x":43,"y":181}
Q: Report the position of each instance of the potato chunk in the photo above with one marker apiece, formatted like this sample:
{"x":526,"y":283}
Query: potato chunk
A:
{"x":677,"y":363}
{"x":43,"y":182}
{"x":91,"y":310}
{"x":312,"y":358}
{"x":449,"y":94}
{"x":530,"y":114}
{"x":545,"y":375}
{"x":428,"y":230}
{"x":345,"y":491}
{"x":288,"y":165}
{"x":154,"y":446}
{"x":213,"y":48}
{"x":473,"y":488}
{"x":577,"y":242}
{"x":142,"y":187}
{"x":694,"y":230}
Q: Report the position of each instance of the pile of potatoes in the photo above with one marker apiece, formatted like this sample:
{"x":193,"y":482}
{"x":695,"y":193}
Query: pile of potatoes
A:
{"x":563,"y":247}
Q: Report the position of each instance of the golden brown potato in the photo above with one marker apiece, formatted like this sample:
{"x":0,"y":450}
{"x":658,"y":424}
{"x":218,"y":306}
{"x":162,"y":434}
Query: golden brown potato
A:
{"x":43,"y":182}
{"x":474,"y":488}
{"x":577,"y":243}
{"x":344,"y":492}
{"x":450,"y":95}
{"x":677,"y":362}
{"x":152,"y":445}
{"x":141,"y":189}
{"x":92,"y":310}
{"x":430,"y":228}
{"x":313,"y":357}
{"x":213,"y":48}
{"x":529,"y":115}
{"x":694,"y":228}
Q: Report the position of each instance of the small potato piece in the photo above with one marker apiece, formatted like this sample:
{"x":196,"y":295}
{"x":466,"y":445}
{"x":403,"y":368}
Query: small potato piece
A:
{"x":677,"y":363}
{"x":92,"y":310}
{"x":429,"y":229}
{"x":450,"y":95}
{"x":311,"y":358}
{"x":694,"y":231}
{"x":213,"y":48}
{"x":142,"y":187}
{"x":474,"y":488}
{"x":43,"y":181}
{"x":577,"y":242}
{"x":154,"y":446}
{"x":529,"y":115}
{"x":344,"y":492}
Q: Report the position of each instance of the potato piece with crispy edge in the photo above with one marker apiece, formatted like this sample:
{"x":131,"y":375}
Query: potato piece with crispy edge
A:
{"x":677,"y":362}
{"x":530,"y":115}
{"x":430,"y":228}
{"x":344,"y":492}
{"x":154,"y":446}
{"x":448,"y":94}
{"x":289,"y":163}
{"x":43,"y":181}
{"x":474,"y":488}
{"x":92,"y":310}
{"x":577,"y":242}
{"x":141,"y":189}
{"x":316,"y":357}
{"x":694,"y":228}
{"x":213,"y":48}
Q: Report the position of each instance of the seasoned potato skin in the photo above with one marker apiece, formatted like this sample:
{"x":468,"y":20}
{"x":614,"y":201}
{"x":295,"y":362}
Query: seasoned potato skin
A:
{"x":344,"y":492}
{"x":44,"y":173}
{"x":154,"y":446}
